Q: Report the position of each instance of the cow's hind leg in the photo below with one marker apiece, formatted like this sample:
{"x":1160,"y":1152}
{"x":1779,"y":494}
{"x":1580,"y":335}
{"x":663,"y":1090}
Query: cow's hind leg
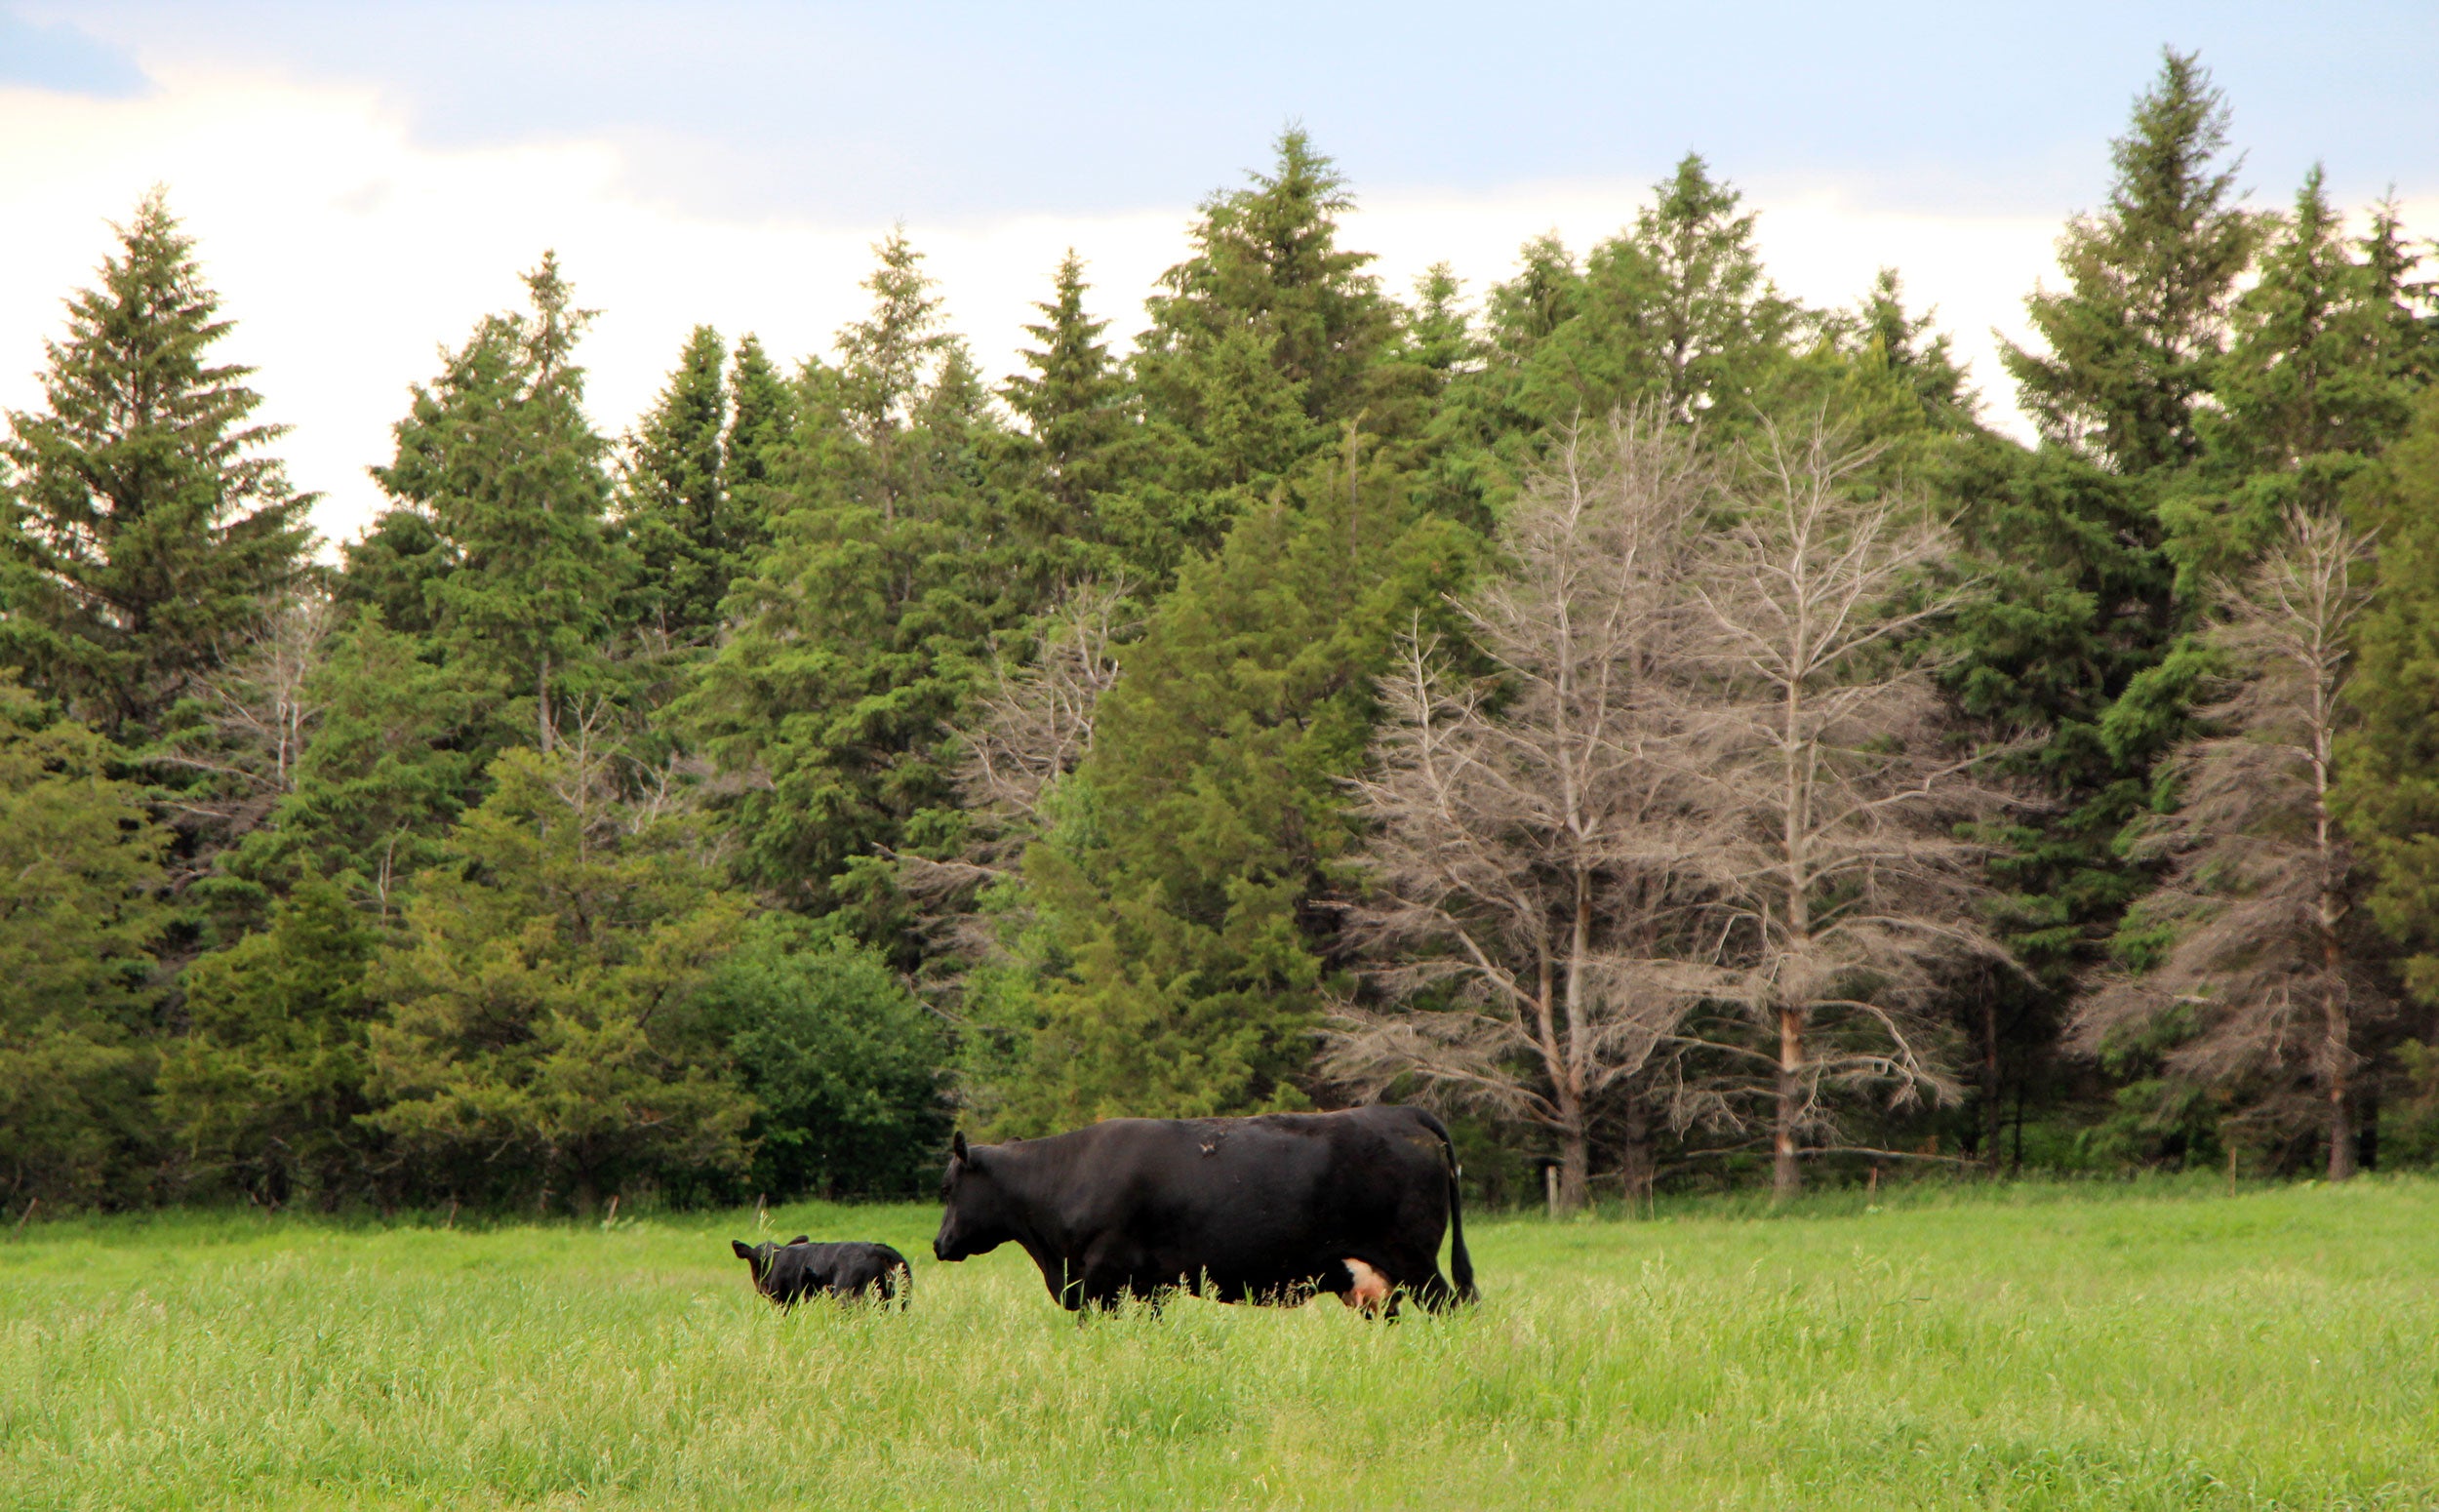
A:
{"x":1433,"y":1292}
{"x":1418,"y":1277}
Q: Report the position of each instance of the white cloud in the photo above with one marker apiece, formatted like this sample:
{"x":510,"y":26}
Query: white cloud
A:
{"x":349,"y":254}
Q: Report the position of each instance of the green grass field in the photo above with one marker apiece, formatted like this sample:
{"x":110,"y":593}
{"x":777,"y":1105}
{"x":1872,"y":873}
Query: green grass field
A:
{"x":2033,"y":1346}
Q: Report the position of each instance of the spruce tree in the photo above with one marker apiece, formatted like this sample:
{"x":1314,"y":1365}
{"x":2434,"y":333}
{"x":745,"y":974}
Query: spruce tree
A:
{"x":1189,"y":963}
{"x":537,"y":1033}
{"x":1908,"y":358}
{"x":80,"y":919}
{"x":2388,"y":784}
{"x":1528,"y":310}
{"x":1488,"y":431}
{"x":2315,"y":383}
{"x":148,"y":524}
{"x":1266,"y":347}
{"x":394,"y":568}
{"x":395,"y":761}
{"x":762,"y":425}
{"x":265,"y":1092}
{"x":1072,"y":400}
{"x":2136,"y":336}
{"x":1438,"y":333}
{"x":681,"y":527}
{"x":500,"y":454}
{"x":1266,"y":258}
{"x":2083,"y":611}
{"x":887,"y":364}
{"x":1676,"y":312}
{"x":894,"y":559}
{"x":2407,"y":302}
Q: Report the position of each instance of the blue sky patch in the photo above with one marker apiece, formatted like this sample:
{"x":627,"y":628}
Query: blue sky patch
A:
{"x":54,"y":55}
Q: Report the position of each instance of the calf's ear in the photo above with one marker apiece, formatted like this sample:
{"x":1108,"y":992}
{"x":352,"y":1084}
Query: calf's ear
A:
{"x":801,"y":1239}
{"x":744,"y":1250}
{"x":957,"y":1145}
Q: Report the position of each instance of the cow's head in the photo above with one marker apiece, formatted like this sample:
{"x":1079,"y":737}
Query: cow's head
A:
{"x":973,"y":1215}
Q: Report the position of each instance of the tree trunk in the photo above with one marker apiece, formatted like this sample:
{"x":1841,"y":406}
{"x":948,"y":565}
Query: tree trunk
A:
{"x":1992,"y":1112}
{"x":2339,"y":1059}
{"x":1575,"y":1171}
{"x":1637,"y":1155}
{"x":2342,"y":1151}
{"x":1575,"y":1147}
{"x":1785,"y":1178}
{"x":542,"y":704}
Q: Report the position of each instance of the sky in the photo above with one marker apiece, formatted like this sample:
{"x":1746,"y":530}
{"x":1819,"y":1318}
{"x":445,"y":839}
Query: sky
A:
{"x":365,"y":180}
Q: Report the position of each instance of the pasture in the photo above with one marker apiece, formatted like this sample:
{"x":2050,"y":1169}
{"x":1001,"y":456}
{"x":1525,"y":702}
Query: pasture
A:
{"x":2029,"y":1346}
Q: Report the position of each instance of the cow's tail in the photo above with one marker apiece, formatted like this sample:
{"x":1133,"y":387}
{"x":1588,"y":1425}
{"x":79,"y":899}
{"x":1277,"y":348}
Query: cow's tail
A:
{"x":1459,"y":1263}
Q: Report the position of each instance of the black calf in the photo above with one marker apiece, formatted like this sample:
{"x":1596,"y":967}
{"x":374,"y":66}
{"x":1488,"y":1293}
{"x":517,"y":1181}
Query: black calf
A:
{"x":786,"y":1273}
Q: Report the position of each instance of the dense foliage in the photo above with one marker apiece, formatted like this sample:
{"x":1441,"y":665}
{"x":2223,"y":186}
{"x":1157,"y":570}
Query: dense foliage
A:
{"x":850,"y":750}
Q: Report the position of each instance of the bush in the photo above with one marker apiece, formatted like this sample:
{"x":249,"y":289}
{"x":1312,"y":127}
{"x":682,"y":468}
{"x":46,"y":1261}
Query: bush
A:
{"x":840,"y":1057}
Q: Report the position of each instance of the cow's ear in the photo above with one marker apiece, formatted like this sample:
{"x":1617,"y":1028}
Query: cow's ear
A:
{"x":957,"y":1145}
{"x":744,"y":1250}
{"x":801,"y":1239}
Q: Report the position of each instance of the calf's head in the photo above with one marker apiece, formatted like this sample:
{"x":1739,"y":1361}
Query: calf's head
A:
{"x":761,"y":1259}
{"x":974,"y":1203}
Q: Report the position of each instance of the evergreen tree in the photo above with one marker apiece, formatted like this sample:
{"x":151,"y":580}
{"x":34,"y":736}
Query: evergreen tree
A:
{"x":2389,"y":783}
{"x":80,"y":868}
{"x":2390,"y":263}
{"x":2076,"y":636}
{"x":888,"y":364}
{"x":1073,"y":402}
{"x":1677,"y":312}
{"x":148,"y":525}
{"x":265,"y":1092}
{"x":1267,"y":259}
{"x":499,"y":453}
{"x":537,"y":1034}
{"x":1266,"y":346}
{"x":2135,"y":338}
{"x":1488,"y":431}
{"x":1528,"y":310}
{"x":675,"y":507}
{"x":1902,"y":357}
{"x":762,"y":425}
{"x":388,"y":772}
{"x":859,"y":631}
{"x":1185,"y":965}
{"x":1438,"y":333}
{"x":2315,"y":383}
{"x":394,"y":568}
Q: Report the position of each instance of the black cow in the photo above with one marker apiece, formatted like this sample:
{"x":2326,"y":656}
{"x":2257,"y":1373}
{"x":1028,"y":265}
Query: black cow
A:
{"x":1269,"y":1209}
{"x":786,"y":1273}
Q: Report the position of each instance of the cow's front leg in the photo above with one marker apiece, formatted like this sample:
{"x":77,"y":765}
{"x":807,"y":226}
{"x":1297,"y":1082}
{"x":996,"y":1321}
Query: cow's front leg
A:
{"x":1112,"y":1267}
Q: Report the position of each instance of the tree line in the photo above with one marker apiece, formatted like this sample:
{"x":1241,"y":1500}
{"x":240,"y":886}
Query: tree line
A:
{"x":1661,"y":723}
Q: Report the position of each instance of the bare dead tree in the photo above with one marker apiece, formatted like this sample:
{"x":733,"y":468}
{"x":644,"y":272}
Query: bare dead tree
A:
{"x":258,"y":709}
{"x":2258,"y":886}
{"x":1830,"y":795}
{"x":1031,"y":727}
{"x":1035,"y":725}
{"x":1527,"y":841}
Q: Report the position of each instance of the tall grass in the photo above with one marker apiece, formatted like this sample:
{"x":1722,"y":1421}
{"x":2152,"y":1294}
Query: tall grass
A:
{"x":2023,"y":1347}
